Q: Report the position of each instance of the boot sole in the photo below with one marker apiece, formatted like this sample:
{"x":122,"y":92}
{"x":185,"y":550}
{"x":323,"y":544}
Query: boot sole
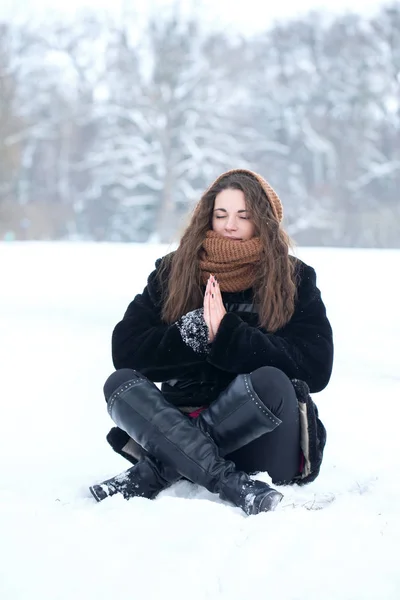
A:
{"x":98,"y":493}
{"x":270,"y":501}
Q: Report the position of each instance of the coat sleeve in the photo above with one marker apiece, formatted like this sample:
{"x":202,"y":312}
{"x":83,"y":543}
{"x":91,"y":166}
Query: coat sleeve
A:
{"x":141,"y":341}
{"x":303,"y":349}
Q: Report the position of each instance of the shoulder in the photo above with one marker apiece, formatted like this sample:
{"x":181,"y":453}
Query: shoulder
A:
{"x":157,"y":281}
{"x":303,"y":272}
{"x":162,"y":267}
{"x":302,"y":269}
{"x":306,"y":280}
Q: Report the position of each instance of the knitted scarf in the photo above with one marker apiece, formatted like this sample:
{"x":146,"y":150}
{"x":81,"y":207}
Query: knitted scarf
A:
{"x":233,"y":262}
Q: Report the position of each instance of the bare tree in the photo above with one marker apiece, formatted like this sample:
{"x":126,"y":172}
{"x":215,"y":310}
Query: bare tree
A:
{"x":166,"y":127}
{"x":110,"y":131}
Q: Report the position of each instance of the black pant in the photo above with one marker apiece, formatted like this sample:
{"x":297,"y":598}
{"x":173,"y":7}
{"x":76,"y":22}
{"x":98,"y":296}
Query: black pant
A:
{"x":278,"y":452}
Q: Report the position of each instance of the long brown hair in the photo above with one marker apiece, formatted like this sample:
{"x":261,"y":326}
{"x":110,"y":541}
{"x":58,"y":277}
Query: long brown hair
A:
{"x":275,"y":283}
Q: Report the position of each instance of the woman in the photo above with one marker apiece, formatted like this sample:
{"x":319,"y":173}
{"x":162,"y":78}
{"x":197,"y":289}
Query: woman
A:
{"x":236,"y":331}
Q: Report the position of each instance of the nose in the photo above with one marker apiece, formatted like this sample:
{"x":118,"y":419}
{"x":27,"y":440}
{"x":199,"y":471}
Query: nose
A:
{"x":231,"y":224}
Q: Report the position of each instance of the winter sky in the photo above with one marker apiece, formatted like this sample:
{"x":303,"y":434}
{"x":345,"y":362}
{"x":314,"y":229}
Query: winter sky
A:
{"x":245,"y":16}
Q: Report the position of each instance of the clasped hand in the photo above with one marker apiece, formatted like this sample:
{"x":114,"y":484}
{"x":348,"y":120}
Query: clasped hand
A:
{"x":214,"y":309}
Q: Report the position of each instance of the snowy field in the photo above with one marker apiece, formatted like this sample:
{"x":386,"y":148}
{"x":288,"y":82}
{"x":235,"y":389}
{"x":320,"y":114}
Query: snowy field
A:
{"x":336,"y":539}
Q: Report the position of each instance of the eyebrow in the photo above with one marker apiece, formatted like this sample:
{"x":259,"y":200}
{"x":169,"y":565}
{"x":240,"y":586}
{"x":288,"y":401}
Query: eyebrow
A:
{"x":224,"y":210}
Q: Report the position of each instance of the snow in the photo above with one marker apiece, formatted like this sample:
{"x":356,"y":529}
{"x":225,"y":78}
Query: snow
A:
{"x":336,"y":538}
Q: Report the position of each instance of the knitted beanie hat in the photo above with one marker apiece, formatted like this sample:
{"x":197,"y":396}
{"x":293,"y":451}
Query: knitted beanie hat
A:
{"x":272,"y":196}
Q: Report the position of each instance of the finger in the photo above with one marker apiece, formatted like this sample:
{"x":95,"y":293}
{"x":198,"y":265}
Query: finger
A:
{"x":217,"y":290}
{"x":218,"y":297}
{"x":218,"y":308}
{"x":207,"y":310}
{"x":214,"y":288}
{"x":206,"y":291}
{"x":206,"y":302}
{"x":205,"y":305}
{"x":215,"y":316}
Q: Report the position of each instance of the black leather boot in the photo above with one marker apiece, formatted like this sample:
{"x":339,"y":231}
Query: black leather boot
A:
{"x":146,"y":479}
{"x":139,"y":408}
{"x":235,"y":419}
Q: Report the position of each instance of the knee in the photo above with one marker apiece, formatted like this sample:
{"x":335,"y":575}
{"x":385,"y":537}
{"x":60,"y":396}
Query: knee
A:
{"x":273,"y":387}
{"x":117,"y":379}
{"x":270,"y":376}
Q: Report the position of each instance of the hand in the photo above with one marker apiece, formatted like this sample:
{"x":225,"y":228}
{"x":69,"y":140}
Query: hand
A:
{"x":214,"y":309}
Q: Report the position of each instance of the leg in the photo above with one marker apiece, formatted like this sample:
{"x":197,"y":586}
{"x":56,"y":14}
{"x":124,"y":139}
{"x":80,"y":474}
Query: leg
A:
{"x":148,"y":477}
{"x":236,"y":418}
{"x":139,"y":408}
{"x":277,"y":452}
{"x":118,"y":439}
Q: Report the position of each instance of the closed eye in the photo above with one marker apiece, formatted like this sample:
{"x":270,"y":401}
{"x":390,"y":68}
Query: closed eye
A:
{"x":223,"y":217}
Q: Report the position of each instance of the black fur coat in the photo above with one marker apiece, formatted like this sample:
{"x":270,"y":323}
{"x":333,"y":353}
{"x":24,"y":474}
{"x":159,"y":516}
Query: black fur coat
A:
{"x":193,"y":375}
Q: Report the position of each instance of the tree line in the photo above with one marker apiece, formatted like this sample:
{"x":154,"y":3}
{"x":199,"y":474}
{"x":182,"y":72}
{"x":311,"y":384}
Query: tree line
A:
{"x":111,"y":132}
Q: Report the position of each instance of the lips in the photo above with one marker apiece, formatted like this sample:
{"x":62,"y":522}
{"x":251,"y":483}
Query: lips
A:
{"x":233,"y":238}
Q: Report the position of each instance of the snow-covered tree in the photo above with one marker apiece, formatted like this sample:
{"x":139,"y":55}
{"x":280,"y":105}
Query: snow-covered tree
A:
{"x":166,"y":127}
{"x":110,"y":129}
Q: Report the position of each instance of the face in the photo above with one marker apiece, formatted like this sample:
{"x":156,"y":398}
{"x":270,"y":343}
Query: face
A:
{"x":230,"y":217}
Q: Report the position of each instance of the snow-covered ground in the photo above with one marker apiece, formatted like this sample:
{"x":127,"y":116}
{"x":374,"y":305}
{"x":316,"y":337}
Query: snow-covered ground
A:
{"x":337,"y":538}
